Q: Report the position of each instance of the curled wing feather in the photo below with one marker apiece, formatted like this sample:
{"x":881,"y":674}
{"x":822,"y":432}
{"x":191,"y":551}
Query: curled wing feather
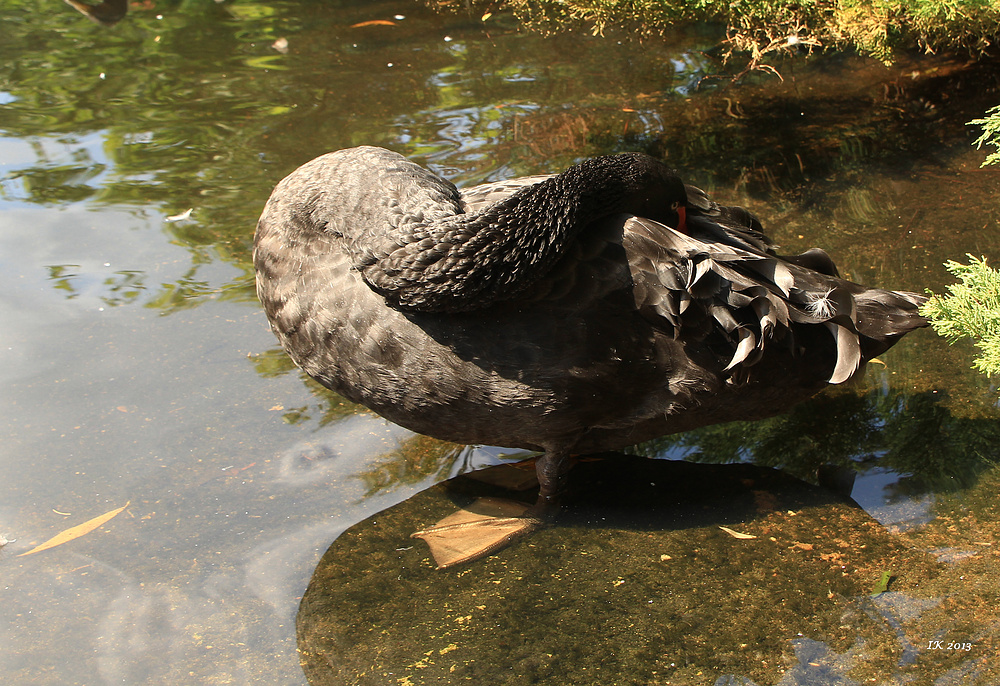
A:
{"x":750,"y":298}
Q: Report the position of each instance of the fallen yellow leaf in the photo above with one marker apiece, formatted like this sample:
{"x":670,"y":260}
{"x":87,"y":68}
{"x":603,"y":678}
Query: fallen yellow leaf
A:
{"x":736,"y":534}
{"x":373,"y":22}
{"x":76,"y":531}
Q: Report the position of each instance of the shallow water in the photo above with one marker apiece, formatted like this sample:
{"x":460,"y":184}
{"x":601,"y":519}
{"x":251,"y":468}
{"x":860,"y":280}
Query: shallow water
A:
{"x":137,"y":366}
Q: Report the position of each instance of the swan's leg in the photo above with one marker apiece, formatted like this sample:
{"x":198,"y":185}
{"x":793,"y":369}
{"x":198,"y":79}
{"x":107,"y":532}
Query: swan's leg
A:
{"x":491,"y":524}
{"x":551,"y":468}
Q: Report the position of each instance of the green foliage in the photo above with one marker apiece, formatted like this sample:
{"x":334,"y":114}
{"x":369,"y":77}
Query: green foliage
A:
{"x":971,"y":310}
{"x":991,"y":134}
{"x":759,"y":27}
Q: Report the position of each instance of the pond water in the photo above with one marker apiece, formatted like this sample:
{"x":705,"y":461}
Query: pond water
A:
{"x":138,"y":370}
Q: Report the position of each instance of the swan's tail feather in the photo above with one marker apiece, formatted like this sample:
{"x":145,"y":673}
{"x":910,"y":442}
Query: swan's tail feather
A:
{"x":887,"y":314}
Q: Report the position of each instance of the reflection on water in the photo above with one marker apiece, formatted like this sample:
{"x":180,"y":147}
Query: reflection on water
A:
{"x":137,"y":366}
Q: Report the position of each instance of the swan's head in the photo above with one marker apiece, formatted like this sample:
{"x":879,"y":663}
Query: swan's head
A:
{"x":654,"y":190}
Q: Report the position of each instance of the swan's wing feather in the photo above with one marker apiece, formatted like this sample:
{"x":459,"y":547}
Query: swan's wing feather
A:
{"x":848,"y":351}
{"x":742,"y":302}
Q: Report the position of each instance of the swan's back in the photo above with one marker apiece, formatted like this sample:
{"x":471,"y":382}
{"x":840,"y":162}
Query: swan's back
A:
{"x":632,"y":329}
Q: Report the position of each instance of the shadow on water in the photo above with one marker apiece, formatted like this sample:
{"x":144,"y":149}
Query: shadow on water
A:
{"x":140,"y":369}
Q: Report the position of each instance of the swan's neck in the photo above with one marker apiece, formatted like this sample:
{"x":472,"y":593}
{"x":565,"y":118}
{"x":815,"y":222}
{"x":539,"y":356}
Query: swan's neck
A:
{"x":464,"y":262}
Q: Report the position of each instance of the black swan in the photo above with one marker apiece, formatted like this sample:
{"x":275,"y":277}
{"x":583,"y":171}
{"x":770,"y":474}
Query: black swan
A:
{"x":569,"y":314}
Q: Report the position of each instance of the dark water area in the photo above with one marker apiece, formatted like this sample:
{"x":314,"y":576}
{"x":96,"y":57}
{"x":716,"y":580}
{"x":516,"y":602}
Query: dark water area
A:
{"x":137,"y":368}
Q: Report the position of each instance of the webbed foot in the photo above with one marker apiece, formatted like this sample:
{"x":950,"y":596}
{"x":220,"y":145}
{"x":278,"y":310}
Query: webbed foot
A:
{"x":490,"y":524}
{"x":485,"y":526}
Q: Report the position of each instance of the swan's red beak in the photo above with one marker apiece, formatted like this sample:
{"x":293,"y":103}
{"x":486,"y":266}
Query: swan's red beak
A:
{"x":682,"y":225}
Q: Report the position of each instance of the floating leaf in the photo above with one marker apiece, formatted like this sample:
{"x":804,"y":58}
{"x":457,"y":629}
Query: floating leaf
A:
{"x":180,"y":217}
{"x":736,"y":534}
{"x":374,"y":22}
{"x":250,"y":12}
{"x":275,"y":62}
{"x":76,"y":531}
{"x":883,"y":583}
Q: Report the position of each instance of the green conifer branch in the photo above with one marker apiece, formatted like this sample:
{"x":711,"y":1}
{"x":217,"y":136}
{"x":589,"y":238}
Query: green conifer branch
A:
{"x":970,"y":310}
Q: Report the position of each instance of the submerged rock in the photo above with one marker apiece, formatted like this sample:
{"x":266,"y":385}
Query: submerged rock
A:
{"x":636,"y":583}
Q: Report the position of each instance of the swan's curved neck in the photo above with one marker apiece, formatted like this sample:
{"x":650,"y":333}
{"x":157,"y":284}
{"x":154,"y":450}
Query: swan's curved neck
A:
{"x":469,"y":261}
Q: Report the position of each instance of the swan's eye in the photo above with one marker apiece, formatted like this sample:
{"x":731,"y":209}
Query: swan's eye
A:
{"x":674,"y":205}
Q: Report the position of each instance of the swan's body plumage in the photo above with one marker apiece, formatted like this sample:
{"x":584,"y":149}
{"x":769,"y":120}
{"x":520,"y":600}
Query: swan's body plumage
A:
{"x":570,"y":314}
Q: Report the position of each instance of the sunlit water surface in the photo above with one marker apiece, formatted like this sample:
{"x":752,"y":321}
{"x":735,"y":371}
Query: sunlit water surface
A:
{"x":137,"y":368}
